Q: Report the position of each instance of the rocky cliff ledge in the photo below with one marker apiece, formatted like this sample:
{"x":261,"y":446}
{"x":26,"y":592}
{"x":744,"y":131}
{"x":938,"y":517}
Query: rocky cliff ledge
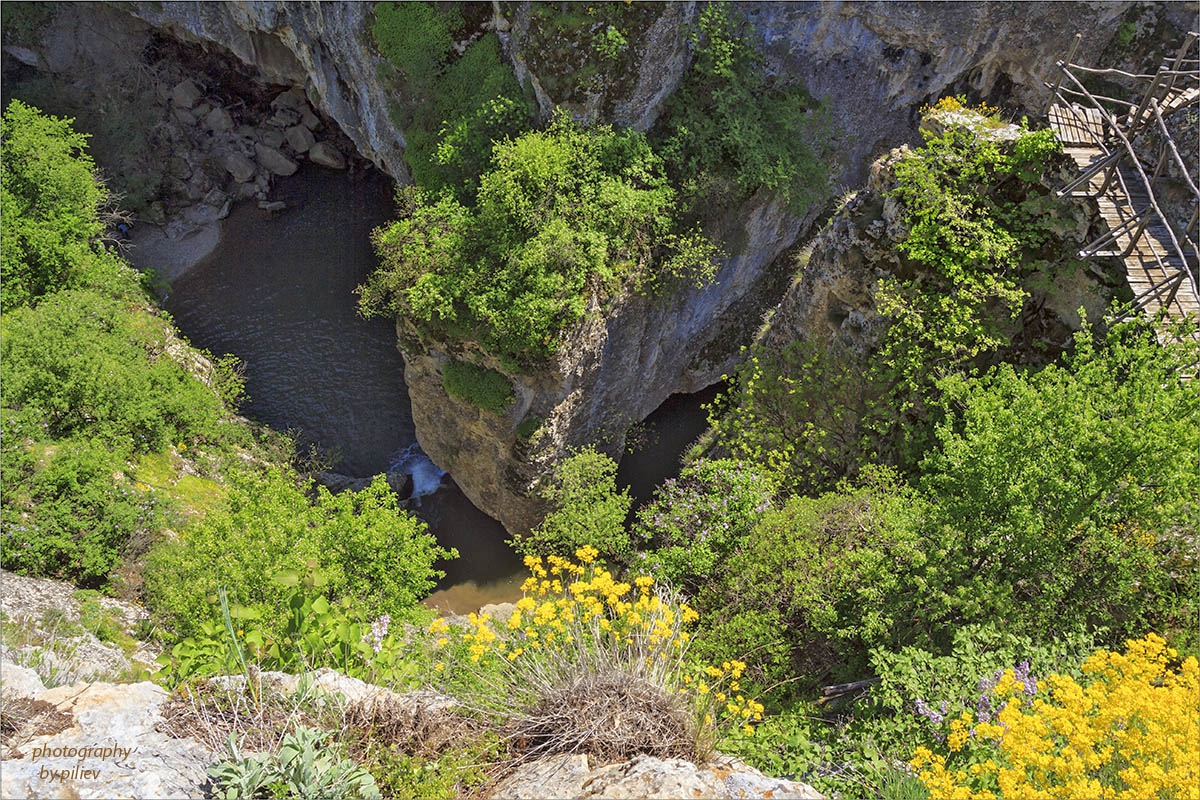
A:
{"x":871,"y":64}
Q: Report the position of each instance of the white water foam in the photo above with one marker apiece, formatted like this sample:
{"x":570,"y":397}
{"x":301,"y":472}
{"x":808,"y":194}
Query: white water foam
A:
{"x":427,"y":478}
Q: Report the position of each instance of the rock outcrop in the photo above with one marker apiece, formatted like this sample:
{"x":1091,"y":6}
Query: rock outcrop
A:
{"x":571,"y":776}
{"x":322,"y":47}
{"x":96,"y":740}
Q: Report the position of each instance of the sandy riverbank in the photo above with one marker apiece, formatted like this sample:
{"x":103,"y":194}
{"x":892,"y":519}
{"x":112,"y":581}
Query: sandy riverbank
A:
{"x":171,"y":252}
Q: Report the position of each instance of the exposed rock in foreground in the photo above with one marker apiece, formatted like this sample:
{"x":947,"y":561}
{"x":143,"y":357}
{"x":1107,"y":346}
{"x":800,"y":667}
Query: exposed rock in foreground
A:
{"x":105,"y":740}
{"x":570,"y":776}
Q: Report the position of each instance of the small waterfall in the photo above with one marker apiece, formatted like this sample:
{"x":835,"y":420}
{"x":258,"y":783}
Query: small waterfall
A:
{"x":427,"y":478}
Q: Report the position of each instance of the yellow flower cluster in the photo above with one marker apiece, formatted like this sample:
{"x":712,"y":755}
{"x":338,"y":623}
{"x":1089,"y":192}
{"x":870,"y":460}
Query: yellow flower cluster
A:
{"x":578,"y":612}
{"x":1131,"y":731}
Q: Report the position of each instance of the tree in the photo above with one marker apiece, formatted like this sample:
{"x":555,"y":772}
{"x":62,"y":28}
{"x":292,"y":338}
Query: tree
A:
{"x":49,"y":211}
{"x":587,"y":510}
{"x":1070,"y":494}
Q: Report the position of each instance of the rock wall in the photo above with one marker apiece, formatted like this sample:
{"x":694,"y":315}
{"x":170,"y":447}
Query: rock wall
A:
{"x":872,"y":64}
{"x":323,"y":47}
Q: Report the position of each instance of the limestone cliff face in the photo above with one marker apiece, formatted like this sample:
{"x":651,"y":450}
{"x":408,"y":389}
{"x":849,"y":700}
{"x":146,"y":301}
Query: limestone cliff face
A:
{"x":324,"y":47}
{"x":872,"y":64}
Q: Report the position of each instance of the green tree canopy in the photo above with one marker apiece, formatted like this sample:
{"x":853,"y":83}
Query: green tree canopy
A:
{"x":49,"y":210}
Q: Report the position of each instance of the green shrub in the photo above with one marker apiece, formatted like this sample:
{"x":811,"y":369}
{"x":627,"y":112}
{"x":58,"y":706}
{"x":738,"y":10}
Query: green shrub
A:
{"x":587,"y":510}
{"x":371,"y":550}
{"x":50,"y":206}
{"x":483,"y":387}
{"x":562,"y":215}
{"x":1062,"y":497}
{"x":812,"y":411}
{"x":73,"y":515}
{"x":453,"y":108}
{"x":304,"y":766}
{"x":695,"y":521}
{"x":820,"y":581}
{"x":89,"y":365}
{"x":731,"y":131}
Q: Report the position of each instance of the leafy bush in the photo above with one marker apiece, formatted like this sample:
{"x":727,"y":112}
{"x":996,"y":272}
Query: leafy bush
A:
{"x":810,"y":411}
{"x":303,"y":767}
{"x":1064,"y":496}
{"x":50,"y":206}
{"x":483,"y":387}
{"x":87,"y":364}
{"x":314,"y":633}
{"x":454,"y":108}
{"x":1130,"y":728}
{"x":819,"y":581}
{"x":695,"y":521}
{"x":981,"y":231}
{"x":371,"y":550}
{"x":72,"y":516}
{"x":563,"y":215}
{"x":587,"y":510}
{"x":731,"y":127}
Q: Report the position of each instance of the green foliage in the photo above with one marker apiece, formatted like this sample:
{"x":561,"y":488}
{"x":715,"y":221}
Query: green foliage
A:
{"x":980,"y":232}
{"x":89,"y":365}
{"x":731,"y":131}
{"x":454,"y":108}
{"x":415,"y":37}
{"x":71,"y":515}
{"x":49,"y":211}
{"x":304,"y":766}
{"x":1063,"y":496}
{"x":371,"y":550}
{"x":819,"y":581}
{"x":314,"y":633}
{"x":483,"y":387}
{"x":610,"y":43}
{"x":24,"y":21}
{"x":587,"y":510}
{"x":563,"y":214}
{"x":694,"y":522}
{"x":810,"y":411}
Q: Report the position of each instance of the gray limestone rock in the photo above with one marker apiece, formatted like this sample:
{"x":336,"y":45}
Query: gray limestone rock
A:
{"x":299,"y":138}
{"x":241,"y":168}
{"x":111,"y":749}
{"x":569,"y":776}
{"x":275,"y":161}
{"x":186,"y":94}
{"x":326,"y":155}
{"x":17,"y":681}
{"x":272,"y":137}
{"x":218,"y":120}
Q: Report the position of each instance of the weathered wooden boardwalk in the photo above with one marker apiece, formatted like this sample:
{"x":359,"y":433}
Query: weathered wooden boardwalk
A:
{"x":1157,"y":276}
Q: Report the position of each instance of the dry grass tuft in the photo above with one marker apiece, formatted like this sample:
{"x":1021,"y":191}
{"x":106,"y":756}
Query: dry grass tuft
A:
{"x":211,"y":713}
{"x":23,"y":718}
{"x":610,"y":715}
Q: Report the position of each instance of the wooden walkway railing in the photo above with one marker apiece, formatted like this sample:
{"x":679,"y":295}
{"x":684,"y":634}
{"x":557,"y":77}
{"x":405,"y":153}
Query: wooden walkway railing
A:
{"x":1160,"y":257}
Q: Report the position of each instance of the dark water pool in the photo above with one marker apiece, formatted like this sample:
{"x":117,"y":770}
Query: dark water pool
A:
{"x":278,"y":292}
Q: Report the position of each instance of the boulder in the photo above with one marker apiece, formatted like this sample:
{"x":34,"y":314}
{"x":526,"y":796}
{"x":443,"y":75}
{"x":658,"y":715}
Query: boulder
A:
{"x":275,"y":162}
{"x":105,"y":744}
{"x":218,"y":120}
{"x":299,"y":138}
{"x":293,"y":98}
{"x":326,"y":155}
{"x":241,"y":168}
{"x":186,"y":94}
{"x":17,"y":681}
{"x":272,"y":137}
{"x":309,"y":120}
{"x":570,"y":776}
